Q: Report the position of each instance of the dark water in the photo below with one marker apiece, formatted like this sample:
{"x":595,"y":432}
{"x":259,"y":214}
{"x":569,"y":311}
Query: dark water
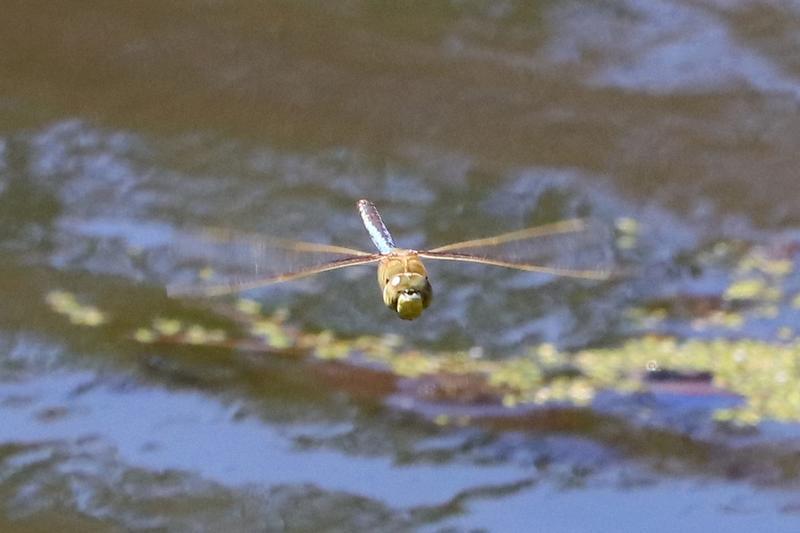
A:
{"x":125,"y":128}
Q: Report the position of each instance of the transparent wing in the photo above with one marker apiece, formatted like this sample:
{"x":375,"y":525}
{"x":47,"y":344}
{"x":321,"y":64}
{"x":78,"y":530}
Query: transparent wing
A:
{"x":217,"y":262}
{"x":577,"y":248}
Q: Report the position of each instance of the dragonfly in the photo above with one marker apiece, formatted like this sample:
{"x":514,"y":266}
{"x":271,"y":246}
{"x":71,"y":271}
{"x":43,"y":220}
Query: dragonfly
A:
{"x":575,"y":248}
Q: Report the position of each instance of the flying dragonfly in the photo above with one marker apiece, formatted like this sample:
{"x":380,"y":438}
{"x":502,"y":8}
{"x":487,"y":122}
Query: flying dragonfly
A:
{"x":576,"y":248}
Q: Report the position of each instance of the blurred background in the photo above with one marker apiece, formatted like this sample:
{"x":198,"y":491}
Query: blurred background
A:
{"x":665,"y":398}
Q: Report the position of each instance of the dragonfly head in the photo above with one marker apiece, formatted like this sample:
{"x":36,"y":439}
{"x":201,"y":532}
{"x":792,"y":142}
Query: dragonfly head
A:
{"x":408,"y":294}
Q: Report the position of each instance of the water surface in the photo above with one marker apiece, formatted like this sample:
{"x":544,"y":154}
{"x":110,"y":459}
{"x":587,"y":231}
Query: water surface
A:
{"x":123,"y":130}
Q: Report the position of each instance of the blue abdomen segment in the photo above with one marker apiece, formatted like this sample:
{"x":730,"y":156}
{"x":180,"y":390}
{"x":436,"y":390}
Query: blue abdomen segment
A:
{"x":375,"y":227}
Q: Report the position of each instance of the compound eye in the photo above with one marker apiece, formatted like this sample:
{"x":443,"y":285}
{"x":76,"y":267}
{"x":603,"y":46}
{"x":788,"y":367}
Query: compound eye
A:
{"x":395,"y":281}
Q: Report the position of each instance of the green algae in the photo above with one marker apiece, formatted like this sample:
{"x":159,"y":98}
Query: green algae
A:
{"x":167,"y":326}
{"x":765,"y":373}
{"x":751,"y":289}
{"x":81,"y":314}
{"x":760,"y":277}
{"x":627,"y":233}
{"x":145,"y":335}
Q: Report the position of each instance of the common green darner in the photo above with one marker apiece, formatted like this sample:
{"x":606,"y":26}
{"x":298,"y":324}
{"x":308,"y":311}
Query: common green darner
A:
{"x":575,"y":248}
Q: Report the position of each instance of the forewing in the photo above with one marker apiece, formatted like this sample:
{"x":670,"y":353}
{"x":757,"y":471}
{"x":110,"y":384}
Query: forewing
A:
{"x":216,"y":262}
{"x":580,"y":248}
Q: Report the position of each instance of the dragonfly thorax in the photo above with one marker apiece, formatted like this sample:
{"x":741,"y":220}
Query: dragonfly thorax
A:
{"x":404,"y":283}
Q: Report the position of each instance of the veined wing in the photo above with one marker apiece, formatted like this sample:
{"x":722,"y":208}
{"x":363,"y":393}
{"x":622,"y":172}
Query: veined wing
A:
{"x":577,"y":248}
{"x":222,"y":262}
{"x":375,"y":227}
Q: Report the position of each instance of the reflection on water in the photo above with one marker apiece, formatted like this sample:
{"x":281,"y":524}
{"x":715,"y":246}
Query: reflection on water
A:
{"x":123,"y":129}
{"x":665,"y":507}
{"x":167,"y":430}
{"x":665,"y":47}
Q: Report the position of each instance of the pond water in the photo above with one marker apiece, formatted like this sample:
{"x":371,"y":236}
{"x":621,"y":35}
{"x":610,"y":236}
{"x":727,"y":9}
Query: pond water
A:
{"x":662,"y":399}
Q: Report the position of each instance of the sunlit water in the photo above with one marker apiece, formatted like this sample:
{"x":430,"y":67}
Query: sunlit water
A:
{"x":124,"y":130}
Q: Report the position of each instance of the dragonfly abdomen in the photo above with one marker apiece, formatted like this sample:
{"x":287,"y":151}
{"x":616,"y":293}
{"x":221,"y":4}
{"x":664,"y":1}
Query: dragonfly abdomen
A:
{"x":375,"y":227}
